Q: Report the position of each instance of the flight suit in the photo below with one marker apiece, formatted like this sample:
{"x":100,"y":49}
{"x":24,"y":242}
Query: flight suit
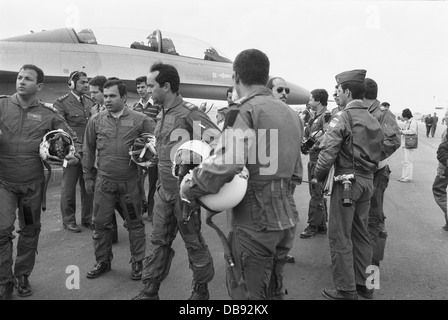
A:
{"x":107,"y":142}
{"x":264,"y":222}
{"x":390,"y":144}
{"x":175,"y":122}
{"x":22,"y":180}
{"x":76,"y":114}
{"x":317,"y":209}
{"x":353,"y":144}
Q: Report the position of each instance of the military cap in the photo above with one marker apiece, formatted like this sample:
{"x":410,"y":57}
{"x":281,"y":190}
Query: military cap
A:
{"x":357,"y":75}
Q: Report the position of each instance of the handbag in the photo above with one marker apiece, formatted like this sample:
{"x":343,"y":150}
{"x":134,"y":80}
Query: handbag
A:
{"x":411,"y":141}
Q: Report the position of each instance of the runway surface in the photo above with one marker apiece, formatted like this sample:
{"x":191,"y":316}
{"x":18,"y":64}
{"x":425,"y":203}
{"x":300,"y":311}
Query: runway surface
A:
{"x":415,"y":265}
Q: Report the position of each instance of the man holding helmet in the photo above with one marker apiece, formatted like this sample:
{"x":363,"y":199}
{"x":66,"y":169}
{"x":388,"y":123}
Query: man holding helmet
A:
{"x":178,"y":121}
{"x":115,"y":184}
{"x":24,"y":122}
{"x":264,"y":222}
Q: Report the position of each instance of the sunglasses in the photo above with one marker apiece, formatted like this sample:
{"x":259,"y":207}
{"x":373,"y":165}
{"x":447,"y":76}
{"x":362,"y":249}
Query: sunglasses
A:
{"x":280,"y":90}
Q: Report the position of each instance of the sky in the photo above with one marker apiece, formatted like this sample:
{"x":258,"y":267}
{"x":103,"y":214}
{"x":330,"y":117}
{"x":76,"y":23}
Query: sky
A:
{"x":403,"y":45}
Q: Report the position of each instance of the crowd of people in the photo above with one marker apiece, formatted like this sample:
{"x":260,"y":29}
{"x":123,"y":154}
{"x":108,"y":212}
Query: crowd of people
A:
{"x":349,"y":145}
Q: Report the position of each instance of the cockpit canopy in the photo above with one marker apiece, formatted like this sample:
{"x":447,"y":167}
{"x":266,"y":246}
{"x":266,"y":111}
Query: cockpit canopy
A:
{"x":86,"y":36}
{"x":170,"y":43}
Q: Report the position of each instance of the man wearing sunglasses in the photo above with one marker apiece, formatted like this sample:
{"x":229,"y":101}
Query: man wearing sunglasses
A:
{"x":279,"y":88}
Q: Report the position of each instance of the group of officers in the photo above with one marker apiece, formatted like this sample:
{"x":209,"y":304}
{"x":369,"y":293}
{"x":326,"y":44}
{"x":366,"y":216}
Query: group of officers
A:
{"x":349,"y":144}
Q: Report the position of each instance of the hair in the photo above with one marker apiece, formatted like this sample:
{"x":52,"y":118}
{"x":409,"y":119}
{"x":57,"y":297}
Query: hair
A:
{"x":320,"y":95}
{"x":75,"y":75}
{"x":167,"y":73}
{"x":140,"y":80}
{"x":251,"y":67}
{"x":40,"y":73}
{"x":119,"y":83}
{"x":386,"y":104}
{"x":357,"y":89}
{"x":371,"y":89}
{"x":99,"y":82}
{"x":406,"y":113}
{"x":270,"y":83}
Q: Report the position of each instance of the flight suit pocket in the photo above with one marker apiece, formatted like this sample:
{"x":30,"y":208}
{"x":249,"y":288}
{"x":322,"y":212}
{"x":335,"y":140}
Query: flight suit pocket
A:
{"x":103,"y":138}
{"x":257,"y":207}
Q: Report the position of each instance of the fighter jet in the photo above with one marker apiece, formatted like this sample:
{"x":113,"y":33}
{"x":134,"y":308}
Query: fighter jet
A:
{"x":59,"y":52}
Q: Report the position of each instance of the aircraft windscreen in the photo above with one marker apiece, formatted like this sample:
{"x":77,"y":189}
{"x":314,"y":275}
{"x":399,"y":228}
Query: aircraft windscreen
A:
{"x":140,"y":39}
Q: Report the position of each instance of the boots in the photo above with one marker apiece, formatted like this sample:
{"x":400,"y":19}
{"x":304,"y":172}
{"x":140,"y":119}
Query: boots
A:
{"x":149,"y":292}
{"x":23,"y":286}
{"x":200,"y":292}
{"x":136,"y":273}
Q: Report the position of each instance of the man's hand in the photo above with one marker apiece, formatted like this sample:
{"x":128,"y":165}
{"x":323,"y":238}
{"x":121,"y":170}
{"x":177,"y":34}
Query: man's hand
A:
{"x":187,"y":178}
{"x":296,"y":179}
{"x":90,"y":186}
{"x":441,"y":170}
{"x":72,"y":160}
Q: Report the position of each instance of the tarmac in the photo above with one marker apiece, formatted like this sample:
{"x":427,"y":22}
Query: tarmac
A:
{"x":415,"y":265}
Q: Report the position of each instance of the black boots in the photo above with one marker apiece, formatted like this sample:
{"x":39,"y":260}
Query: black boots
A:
{"x":200,"y":292}
{"x":136,"y":273}
{"x":99,"y":269}
{"x":149,"y":292}
{"x":23,"y":286}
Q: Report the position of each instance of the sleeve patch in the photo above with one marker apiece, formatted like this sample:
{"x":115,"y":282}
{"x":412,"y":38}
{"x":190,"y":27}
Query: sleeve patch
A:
{"x":334,"y":122}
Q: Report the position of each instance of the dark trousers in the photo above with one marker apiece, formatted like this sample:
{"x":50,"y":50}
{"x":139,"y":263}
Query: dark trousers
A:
{"x":433,"y":129}
{"x":70,"y":176}
{"x":376,"y":214}
{"x":317,"y":210}
{"x":439,"y":191}
{"x":259,"y":258}
{"x":28,"y":199}
{"x":167,"y":221}
{"x":350,"y":247}
{"x":126,"y":198}
{"x":428,"y":130}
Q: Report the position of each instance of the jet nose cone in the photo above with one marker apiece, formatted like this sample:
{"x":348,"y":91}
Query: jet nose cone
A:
{"x":298,"y":95}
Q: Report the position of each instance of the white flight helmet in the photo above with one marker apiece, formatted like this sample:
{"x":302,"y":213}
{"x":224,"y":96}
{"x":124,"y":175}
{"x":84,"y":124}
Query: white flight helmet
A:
{"x":143,"y":151}
{"x":229,"y":195}
{"x":55,"y":146}
{"x":189,"y":155}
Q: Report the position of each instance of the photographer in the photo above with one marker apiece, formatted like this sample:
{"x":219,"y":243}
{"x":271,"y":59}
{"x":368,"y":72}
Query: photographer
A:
{"x":353,"y":145}
{"x":317,"y":210}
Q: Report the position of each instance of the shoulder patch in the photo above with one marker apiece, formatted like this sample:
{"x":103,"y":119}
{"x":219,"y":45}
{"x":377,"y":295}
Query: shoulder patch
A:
{"x":334,"y":122}
{"x":189,"y":106}
{"x":65,"y":96}
{"x":50,"y":106}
